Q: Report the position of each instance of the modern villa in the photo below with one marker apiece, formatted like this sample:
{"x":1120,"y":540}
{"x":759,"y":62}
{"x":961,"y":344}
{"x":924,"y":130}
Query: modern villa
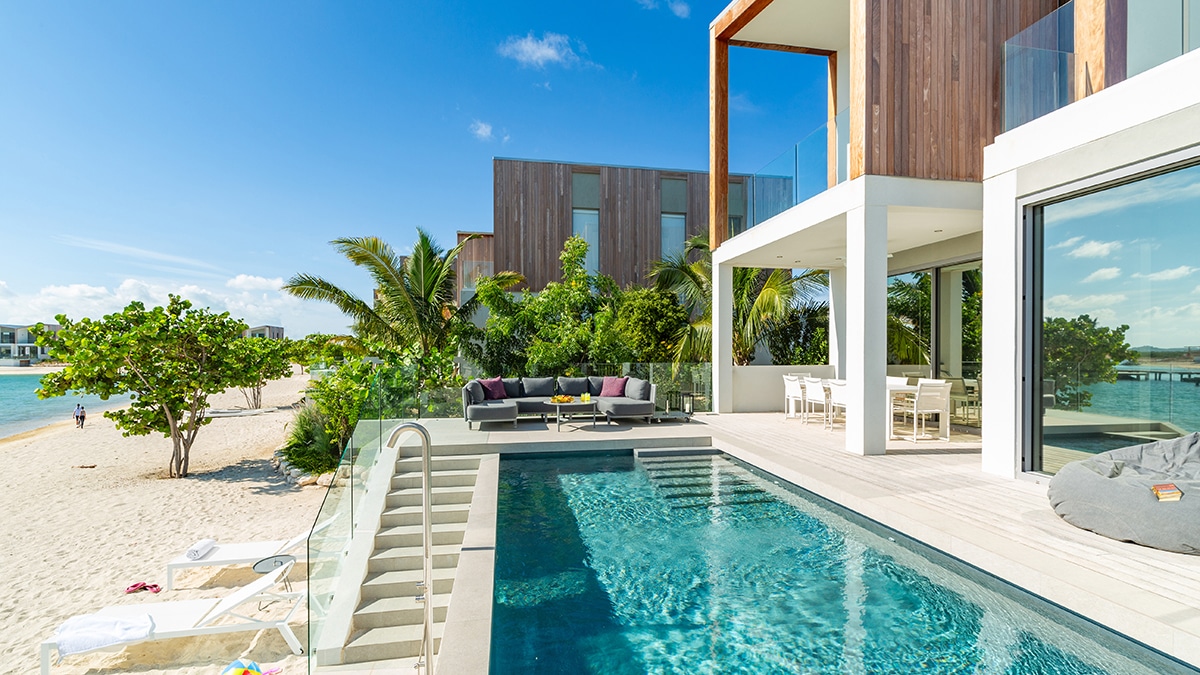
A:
{"x":1046,"y":156}
{"x":17,"y":346}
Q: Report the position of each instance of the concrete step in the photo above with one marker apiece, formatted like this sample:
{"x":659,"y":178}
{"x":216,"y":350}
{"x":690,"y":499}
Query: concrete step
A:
{"x":398,"y":611}
{"x":463,"y":463}
{"x":405,"y":583}
{"x":414,"y":515}
{"x":441,"y":495}
{"x":390,"y":642}
{"x":410,"y":558}
{"x":440,"y":479}
{"x":675,"y":452}
{"x":414,"y":535}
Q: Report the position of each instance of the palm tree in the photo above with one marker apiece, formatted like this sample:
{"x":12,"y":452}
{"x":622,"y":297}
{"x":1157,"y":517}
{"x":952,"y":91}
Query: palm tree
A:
{"x":414,"y":304}
{"x":759,"y":298}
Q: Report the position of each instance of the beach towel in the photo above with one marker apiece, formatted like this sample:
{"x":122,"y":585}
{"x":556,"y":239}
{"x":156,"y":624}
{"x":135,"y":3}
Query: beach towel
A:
{"x":200,"y":549}
{"x":94,"y":631}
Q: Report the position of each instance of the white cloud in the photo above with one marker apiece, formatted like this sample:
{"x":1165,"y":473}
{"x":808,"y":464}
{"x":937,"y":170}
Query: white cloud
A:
{"x":1167,"y":275}
{"x":1095,"y":249}
{"x":532,"y":52}
{"x":481,"y":130}
{"x":1066,"y":244}
{"x":1097,"y":306}
{"x":5,"y":291}
{"x":1103,"y":274}
{"x":679,"y":8}
{"x":142,"y":254}
{"x":249,"y":282}
{"x":1160,"y":190}
{"x":742,"y":103}
{"x":248,"y":300}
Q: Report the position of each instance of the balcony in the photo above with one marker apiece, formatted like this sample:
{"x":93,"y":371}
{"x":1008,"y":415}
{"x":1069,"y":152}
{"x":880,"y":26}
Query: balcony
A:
{"x":808,"y":168}
{"x":1081,"y":48}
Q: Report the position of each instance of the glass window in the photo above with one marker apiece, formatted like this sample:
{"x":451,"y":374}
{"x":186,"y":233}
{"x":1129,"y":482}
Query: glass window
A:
{"x":585,"y":223}
{"x":674,"y":234}
{"x":1118,"y":352}
{"x":910,"y":310}
{"x":585,"y":190}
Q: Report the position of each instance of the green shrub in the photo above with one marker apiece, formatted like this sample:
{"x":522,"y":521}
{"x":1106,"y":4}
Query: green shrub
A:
{"x":309,"y":447}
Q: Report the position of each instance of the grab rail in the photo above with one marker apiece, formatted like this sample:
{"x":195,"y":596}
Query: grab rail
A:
{"x":427,"y":518}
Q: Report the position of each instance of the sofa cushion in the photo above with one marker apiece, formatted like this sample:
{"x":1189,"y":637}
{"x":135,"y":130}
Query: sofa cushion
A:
{"x":614,"y":386}
{"x":538,"y":386}
{"x":512,"y":387}
{"x":572,"y":386}
{"x":493,"y":389}
{"x":475,"y":391}
{"x":637,"y":388}
{"x":533,"y":404}
{"x":595,"y":385}
{"x":625,"y":407}
{"x":492,"y":411}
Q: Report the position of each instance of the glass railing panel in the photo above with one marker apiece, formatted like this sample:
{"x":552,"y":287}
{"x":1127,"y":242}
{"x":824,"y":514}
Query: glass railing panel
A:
{"x":328,"y":544}
{"x":1192,"y":31}
{"x":1155,"y":33}
{"x":808,"y":168}
{"x":775,"y":187}
{"x":1036,"y":82}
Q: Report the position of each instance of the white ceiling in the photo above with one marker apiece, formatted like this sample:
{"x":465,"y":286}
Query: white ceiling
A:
{"x":817,"y":24}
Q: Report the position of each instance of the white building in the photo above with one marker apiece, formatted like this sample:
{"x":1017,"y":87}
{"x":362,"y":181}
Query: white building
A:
{"x":18,"y":347}
{"x":270,"y":332}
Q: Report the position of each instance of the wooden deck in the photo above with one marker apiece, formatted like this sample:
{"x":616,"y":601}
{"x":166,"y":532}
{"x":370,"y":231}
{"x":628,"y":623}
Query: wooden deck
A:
{"x":936,"y":492}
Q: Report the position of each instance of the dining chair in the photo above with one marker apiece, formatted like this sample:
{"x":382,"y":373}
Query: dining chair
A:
{"x":932,"y":398}
{"x":793,"y":393}
{"x":839,"y":397}
{"x":814,"y":395}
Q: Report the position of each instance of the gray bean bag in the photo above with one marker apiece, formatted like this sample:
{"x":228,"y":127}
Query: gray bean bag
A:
{"x":1109,"y":494}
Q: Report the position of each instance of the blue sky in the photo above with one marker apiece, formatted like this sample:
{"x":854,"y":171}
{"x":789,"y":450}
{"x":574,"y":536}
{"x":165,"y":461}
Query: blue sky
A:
{"x":213,"y":149}
{"x":1129,"y":256}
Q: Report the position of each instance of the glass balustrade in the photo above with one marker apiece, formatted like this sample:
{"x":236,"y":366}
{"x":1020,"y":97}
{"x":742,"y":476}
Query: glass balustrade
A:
{"x":808,"y":168}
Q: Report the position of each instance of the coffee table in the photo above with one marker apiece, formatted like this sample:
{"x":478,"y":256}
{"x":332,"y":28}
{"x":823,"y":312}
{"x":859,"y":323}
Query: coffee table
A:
{"x":572,"y":408}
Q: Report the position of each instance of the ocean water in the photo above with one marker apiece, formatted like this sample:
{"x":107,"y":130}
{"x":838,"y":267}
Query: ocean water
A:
{"x":1176,"y":402}
{"x":21,"y":410}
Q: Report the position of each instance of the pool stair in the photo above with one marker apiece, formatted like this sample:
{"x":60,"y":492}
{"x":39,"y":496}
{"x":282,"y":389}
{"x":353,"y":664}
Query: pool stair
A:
{"x":694,"y":481}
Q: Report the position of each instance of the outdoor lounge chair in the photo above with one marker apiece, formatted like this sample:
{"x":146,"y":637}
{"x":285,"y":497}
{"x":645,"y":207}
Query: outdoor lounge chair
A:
{"x":244,"y":553}
{"x":188,"y":618}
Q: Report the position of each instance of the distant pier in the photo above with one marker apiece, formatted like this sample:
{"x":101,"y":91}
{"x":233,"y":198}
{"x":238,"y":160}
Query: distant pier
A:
{"x":1191,"y":375}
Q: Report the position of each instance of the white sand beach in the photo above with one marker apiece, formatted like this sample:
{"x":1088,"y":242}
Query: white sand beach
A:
{"x":72,"y":539}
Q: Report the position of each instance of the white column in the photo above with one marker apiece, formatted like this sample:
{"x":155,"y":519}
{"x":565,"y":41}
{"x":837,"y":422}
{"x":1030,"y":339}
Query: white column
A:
{"x":722,"y":338}
{"x":1001,"y":373}
{"x":837,"y":321}
{"x":949,"y":323}
{"x":866,"y":330}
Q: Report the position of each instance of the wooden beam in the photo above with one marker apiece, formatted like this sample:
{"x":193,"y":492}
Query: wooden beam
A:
{"x":735,"y":17}
{"x":718,"y":142}
{"x":833,"y":143}
{"x":782,"y":48}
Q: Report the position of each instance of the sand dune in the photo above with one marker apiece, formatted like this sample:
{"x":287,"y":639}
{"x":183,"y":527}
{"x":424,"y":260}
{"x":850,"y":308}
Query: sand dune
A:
{"x":73,"y":538}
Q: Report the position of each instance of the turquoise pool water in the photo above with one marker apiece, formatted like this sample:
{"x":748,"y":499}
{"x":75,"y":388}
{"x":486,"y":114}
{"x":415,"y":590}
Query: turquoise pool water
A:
{"x":618,"y":565}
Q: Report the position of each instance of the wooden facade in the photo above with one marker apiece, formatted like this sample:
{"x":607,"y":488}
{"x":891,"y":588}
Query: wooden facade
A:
{"x":533,"y":211}
{"x":474,"y":260}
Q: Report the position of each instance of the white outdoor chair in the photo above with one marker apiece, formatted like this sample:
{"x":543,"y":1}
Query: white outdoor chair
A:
{"x":814,"y":395}
{"x":838,"y":398}
{"x":188,"y":618}
{"x":243,"y":553}
{"x":932,"y":398}
{"x":793,"y":393}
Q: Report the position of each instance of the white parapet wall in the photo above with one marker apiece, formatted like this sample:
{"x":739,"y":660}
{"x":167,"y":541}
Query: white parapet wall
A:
{"x":760,"y":388}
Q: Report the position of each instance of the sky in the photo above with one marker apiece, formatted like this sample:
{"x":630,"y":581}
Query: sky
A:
{"x":213,"y":149}
{"x":1128,"y":256}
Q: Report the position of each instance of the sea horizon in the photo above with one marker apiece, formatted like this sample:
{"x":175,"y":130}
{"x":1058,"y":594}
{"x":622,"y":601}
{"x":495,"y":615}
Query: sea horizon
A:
{"x":21,"y":410}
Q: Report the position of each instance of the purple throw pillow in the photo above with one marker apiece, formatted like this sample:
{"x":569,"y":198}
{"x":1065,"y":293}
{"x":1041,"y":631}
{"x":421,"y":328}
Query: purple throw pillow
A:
{"x":493,"y":389}
{"x":614,"y":386}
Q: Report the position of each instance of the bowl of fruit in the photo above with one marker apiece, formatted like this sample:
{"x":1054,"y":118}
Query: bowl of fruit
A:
{"x":562,"y":398}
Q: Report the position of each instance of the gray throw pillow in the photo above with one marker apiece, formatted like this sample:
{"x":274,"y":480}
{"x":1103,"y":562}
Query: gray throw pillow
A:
{"x":637,"y":389}
{"x":572,"y":386}
{"x":512,"y":387}
{"x":595,"y":385}
{"x":538,"y":386}
{"x":475,"y":391}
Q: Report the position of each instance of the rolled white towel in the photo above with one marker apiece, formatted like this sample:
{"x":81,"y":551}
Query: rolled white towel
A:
{"x":200,"y":549}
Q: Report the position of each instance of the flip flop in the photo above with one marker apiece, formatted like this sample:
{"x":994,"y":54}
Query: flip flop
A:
{"x":153,"y":588}
{"x":136,"y":587}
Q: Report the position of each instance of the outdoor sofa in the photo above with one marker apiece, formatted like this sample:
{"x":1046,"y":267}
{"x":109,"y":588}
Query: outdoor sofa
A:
{"x":531,"y":396}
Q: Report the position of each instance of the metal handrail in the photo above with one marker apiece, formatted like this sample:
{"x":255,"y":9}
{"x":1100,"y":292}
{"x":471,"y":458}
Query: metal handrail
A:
{"x":427,"y":519}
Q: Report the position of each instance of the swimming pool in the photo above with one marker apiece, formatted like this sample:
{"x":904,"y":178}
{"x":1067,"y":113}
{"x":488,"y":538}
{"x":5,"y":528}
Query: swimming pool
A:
{"x":702,"y":564}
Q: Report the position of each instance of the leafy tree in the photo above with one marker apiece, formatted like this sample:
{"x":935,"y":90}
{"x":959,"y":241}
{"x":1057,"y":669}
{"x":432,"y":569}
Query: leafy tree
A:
{"x":644,"y":328}
{"x":760,"y":298}
{"x":262,"y":360}
{"x":338,"y":398}
{"x":802,"y":336}
{"x":329,"y":349}
{"x":414,"y":308}
{"x":168,"y":359}
{"x":1078,"y":352}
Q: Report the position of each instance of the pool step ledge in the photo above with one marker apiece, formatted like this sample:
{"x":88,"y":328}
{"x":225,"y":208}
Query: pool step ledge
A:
{"x":675,"y":452}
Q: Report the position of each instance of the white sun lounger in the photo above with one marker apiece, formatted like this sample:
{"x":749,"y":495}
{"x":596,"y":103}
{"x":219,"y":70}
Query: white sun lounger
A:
{"x":244,"y":553}
{"x":189,"y":618}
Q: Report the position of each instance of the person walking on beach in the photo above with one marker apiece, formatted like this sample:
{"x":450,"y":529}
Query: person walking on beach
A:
{"x":75,"y":415}
{"x":82,"y":416}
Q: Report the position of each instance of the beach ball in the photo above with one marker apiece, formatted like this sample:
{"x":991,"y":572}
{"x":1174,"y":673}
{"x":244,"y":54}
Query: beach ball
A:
{"x":242,"y":667}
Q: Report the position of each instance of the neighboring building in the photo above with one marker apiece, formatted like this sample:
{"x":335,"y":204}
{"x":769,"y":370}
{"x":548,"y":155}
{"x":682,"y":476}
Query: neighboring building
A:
{"x":473,"y":262}
{"x":630,"y":216}
{"x":271,"y":332}
{"x":1084,"y":202}
{"x":17,"y":346}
